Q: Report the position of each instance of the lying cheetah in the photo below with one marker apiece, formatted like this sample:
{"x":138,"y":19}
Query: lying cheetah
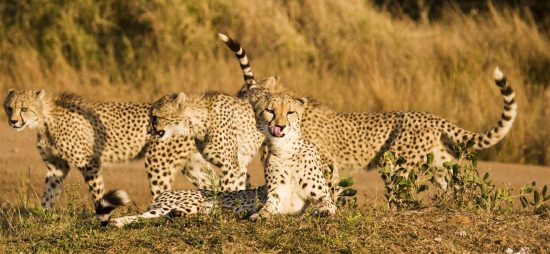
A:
{"x":293,"y":175}
{"x":222,"y":126}
{"x":73,"y":131}
{"x":358,"y":140}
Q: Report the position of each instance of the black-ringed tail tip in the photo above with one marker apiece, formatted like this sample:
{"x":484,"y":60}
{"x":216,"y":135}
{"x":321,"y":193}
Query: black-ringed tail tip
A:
{"x":240,"y":53}
{"x":497,"y":74}
{"x":109,"y":202}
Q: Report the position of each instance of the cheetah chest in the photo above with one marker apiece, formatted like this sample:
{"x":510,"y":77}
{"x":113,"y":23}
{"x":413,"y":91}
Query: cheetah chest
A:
{"x":292,"y":198}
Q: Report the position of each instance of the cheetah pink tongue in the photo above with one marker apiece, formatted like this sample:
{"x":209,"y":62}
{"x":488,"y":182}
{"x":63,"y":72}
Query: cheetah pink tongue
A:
{"x":275,"y":131}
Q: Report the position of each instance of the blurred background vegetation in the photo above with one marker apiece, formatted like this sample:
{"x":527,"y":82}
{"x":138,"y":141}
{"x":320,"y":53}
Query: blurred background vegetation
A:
{"x":353,"y":55}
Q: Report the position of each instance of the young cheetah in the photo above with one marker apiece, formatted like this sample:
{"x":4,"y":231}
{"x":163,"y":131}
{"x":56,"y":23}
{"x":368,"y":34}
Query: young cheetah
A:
{"x":292,"y":171}
{"x":222,"y":127}
{"x":358,"y":140}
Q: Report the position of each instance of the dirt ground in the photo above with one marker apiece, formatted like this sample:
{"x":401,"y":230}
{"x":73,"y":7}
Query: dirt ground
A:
{"x":20,"y":162}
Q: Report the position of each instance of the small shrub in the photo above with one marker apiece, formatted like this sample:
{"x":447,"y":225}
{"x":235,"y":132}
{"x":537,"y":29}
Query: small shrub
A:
{"x":403,"y":186}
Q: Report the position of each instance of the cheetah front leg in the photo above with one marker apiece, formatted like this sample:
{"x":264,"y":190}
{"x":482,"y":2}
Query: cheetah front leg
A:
{"x":57,"y":171}
{"x":232,"y":179}
{"x":199,"y":172}
{"x":163,"y":159}
{"x":269,"y":208}
{"x":318,"y":191}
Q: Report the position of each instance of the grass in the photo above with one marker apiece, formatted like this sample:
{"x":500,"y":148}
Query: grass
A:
{"x":357,"y":230}
{"x":332,"y":50}
{"x":441,"y":225}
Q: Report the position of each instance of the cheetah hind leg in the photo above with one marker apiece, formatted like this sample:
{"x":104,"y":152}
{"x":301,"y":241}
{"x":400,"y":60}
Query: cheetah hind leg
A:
{"x":441,"y":155}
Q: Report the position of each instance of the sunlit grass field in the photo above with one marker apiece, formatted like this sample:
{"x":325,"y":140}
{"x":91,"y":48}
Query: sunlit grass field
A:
{"x":348,"y":54}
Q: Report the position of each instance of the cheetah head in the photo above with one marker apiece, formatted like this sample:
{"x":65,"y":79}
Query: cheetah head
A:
{"x":279,"y":115}
{"x":172,"y":115}
{"x":24,"y":108}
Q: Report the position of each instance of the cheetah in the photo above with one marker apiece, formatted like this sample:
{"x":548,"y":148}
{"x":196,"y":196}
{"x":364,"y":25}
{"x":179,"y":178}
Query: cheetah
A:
{"x":222,"y":126}
{"x":358,"y":140}
{"x":294,"y":179}
{"x":75,"y":132}
{"x":293,"y":168}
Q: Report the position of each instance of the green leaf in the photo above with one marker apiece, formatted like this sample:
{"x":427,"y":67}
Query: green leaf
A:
{"x":544,"y":189}
{"x":341,"y":201}
{"x":388,"y":156}
{"x":349,"y":192}
{"x":346,"y":182}
{"x":486,"y":176}
{"x":430,"y":158}
{"x":536,"y":197}
{"x":470,"y":143}
{"x":474,"y":161}
{"x":524,"y":202}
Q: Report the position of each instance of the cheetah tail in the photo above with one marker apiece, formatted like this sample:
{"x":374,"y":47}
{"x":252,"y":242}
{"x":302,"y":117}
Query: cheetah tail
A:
{"x":497,"y":133}
{"x":109,"y":202}
{"x":235,"y":46}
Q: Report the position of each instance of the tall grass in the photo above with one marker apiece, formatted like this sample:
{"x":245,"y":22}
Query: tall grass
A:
{"x":346,"y":53}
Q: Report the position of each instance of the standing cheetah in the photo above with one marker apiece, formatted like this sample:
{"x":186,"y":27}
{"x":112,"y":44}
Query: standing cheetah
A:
{"x":294,"y":180}
{"x":222,"y":126}
{"x":358,"y":140}
{"x":75,"y":132}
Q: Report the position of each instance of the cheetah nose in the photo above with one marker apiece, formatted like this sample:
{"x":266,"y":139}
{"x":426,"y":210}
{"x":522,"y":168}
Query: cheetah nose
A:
{"x":12,"y":122}
{"x":160,"y":133}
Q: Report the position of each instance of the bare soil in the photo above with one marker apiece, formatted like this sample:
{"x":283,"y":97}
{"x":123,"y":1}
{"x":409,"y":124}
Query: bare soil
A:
{"x":22,"y":168}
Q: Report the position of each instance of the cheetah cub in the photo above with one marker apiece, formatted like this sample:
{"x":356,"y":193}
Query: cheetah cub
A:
{"x":222,"y":127}
{"x":292,"y":171}
{"x":293,"y":165}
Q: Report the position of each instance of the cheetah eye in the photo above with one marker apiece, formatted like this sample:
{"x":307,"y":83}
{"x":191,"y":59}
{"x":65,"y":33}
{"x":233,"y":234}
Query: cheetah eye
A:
{"x":24,"y":109}
{"x":290,"y":112}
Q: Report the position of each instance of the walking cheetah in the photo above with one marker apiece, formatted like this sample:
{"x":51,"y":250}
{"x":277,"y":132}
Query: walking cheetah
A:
{"x":292,"y":170}
{"x":222,"y":126}
{"x":75,"y":132}
{"x":358,"y":140}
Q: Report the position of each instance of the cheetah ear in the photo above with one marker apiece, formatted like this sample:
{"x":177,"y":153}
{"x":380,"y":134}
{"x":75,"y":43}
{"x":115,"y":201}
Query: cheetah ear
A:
{"x":271,"y":82}
{"x":180,"y":98}
{"x":303,"y":101}
{"x":10,"y":91}
{"x":39,"y":94}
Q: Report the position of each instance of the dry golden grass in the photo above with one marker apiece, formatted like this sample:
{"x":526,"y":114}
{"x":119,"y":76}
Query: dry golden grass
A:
{"x":347,"y":54}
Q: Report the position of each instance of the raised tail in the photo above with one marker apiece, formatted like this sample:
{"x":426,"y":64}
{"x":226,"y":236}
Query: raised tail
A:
{"x":235,"y":46}
{"x":109,"y":202}
{"x":495,"y":134}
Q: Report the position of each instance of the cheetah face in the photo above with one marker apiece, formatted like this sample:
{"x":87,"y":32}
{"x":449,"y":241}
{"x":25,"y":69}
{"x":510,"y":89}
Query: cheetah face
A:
{"x":23,"y":108}
{"x":169,"y":116}
{"x":279,"y":115}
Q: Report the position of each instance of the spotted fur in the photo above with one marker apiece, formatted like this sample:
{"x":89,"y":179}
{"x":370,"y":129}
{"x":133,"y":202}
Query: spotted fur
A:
{"x":75,"y":132}
{"x":222,"y":126}
{"x":358,"y":140}
{"x":294,"y":180}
